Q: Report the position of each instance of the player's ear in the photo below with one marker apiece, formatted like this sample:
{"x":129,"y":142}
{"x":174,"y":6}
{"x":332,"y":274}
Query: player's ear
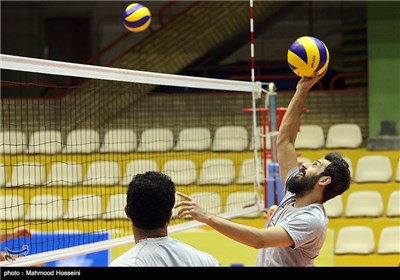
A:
{"x":170,"y":217}
{"x":126,"y":211}
{"x":325,"y":180}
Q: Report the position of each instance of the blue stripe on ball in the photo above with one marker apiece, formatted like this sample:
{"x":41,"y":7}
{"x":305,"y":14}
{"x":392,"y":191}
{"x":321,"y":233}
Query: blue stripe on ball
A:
{"x":322,"y":53}
{"x":299,"y":50}
{"x":137,"y":23}
{"x":133,"y":9}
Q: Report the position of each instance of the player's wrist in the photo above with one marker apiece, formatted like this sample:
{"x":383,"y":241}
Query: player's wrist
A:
{"x":208,"y":218}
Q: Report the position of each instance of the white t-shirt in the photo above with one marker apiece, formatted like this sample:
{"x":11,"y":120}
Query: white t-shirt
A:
{"x":164,"y":251}
{"x":306,"y":226}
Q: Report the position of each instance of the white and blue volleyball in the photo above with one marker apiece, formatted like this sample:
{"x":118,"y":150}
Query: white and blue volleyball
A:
{"x":136,"y":17}
{"x":308,"y":56}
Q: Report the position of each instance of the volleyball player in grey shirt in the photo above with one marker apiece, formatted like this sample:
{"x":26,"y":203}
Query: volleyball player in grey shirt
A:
{"x":297,"y":229}
{"x":305,"y":225}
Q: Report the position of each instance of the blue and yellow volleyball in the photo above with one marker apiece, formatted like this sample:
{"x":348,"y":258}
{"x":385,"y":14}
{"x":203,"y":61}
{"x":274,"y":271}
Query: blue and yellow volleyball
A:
{"x":308,"y":56}
{"x":136,"y":17}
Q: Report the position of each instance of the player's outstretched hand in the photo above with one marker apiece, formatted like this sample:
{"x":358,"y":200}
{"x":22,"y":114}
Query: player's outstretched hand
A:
{"x":307,"y":83}
{"x":15,"y":233}
{"x":189,"y":207}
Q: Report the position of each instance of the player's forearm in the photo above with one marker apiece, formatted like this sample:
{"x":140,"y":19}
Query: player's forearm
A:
{"x":244,"y":234}
{"x":5,"y":236}
{"x":291,"y":120}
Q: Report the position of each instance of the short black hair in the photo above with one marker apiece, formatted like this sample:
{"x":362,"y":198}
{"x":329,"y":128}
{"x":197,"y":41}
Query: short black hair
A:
{"x":150,"y":199}
{"x":339,"y":172}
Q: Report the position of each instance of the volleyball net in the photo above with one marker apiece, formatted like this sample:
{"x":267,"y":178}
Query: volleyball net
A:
{"x":72,"y":137}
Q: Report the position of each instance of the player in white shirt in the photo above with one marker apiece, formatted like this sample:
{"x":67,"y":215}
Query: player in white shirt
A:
{"x":150,"y":200}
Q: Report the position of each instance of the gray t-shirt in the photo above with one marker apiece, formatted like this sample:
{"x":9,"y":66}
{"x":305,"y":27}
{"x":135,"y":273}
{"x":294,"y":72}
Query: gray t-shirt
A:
{"x":307,"y":227}
{"x":164,"y":251}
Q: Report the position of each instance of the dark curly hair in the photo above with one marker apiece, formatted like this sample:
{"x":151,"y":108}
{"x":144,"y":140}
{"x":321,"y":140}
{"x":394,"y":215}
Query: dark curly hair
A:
{"x":339,"y":171}
{"x":150,"y":199}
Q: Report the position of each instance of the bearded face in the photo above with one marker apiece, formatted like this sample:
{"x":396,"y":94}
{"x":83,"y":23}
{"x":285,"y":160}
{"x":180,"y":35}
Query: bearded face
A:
{"x":302,"y":184}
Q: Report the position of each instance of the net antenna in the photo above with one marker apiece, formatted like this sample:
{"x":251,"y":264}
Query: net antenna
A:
{"x":144,"y":96}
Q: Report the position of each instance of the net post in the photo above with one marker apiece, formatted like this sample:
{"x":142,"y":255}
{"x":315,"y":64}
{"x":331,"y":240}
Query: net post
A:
{"x":273,"y":119}
{"x":271,"y":192}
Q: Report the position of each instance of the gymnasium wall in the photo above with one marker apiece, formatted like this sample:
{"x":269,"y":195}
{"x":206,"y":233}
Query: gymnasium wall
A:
{"x":383,"y":23}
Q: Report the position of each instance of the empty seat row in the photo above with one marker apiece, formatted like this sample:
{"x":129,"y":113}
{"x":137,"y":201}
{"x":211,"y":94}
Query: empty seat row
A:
{"x":226,"y":138}
{"x":220,"y":171}
{"x":361,"y":240}
{"x":364,"y":204}
{"x":350,"y":239}
{"x":345,"y":135}
{"x":311,"y":136}
{"x":232,"y":138}
{"x":51,"y":207}
{"x":89,"y":207}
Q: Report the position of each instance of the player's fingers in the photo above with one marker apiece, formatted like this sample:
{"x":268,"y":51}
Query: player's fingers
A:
{"x":184,"y":203}
{"x":186,"y":197}
{"x":183,"y":212}
{"x":22,"y":231}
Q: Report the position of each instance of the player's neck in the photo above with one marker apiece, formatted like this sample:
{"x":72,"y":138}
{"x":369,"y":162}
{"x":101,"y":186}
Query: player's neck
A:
{"x":140,"y":234}
{"x":306,"y":200}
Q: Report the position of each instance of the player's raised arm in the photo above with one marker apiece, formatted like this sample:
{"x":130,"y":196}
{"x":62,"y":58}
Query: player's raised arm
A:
{"x":287,"y":156}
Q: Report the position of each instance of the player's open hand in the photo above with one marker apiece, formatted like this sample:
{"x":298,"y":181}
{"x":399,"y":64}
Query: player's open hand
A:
{"x":22,"y":231}
{"x":189,"y":207}
{"x":306,"y":83}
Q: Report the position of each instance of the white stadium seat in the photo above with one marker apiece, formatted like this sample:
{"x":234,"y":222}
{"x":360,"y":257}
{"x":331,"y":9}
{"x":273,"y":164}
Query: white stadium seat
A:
{"x":115,"y":207}
{"x":156,"y":140}
{"x":12,"y":142}
{"x":220,"y":171}
{"x":240,"y":200}
{"x":3,"y":176}
{"x":355,"y":240}
{"x":28,"y":174}
{"x":389,"y":240}
{"x":82,"y":141}
{"x":45,"y":207}
{"x":364,"y":204}
{"x":84,"y":207}
{"x":210,"y":201}
{"x":65,"y":174}
{"x":181,"y":171}
{"x":247,"y":173}
{"x":230,"y":138}
{"x":12,"y":208}
{"x":194,"y":139}
{"x":334,"y":207}
{"x":102,"y":172}
{"x":393,"y":205}
{"x":119,"y":141}
{"x":373,"y":168}
{"x":345,"y":135}
{"x":310,"y":137}
{"x":45,"y":142}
